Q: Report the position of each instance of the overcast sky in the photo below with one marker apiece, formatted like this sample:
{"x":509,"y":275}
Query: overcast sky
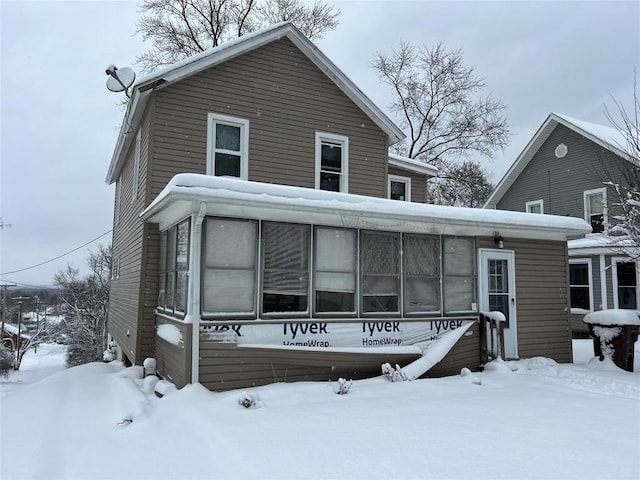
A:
{"x":59,"y":123}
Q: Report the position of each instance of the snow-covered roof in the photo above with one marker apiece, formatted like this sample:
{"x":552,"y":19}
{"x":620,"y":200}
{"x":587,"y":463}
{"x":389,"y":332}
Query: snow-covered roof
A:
{"x":225,"y":196}
{"x":600,"y":243}
{"x":412,"y":165}
{"x":607,"y":137}
{"x":215,"y":56}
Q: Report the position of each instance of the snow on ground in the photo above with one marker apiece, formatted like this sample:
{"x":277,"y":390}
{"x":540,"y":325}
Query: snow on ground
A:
{"x":517,"y":420}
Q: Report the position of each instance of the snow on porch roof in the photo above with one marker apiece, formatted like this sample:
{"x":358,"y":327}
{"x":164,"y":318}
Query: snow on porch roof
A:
{"x":209,"y":195}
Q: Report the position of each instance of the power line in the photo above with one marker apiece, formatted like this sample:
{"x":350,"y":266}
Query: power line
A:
{"x":58,"y":257}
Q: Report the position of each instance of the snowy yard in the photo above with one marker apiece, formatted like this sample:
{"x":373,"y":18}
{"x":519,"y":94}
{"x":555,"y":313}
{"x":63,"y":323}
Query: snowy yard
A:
{"x":527,"y":419}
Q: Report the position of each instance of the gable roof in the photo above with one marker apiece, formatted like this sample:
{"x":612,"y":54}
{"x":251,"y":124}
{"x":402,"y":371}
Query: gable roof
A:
{"x":607,"y":137}
{"x":215,"y":56}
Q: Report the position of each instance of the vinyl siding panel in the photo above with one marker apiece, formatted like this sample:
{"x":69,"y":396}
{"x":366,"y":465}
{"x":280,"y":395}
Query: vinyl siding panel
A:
{"x":560,"y":182}
{"x":286,"y":99}
{"x":128,"y":244}
{"x":173,"y":362}
{"x":542,"y":300}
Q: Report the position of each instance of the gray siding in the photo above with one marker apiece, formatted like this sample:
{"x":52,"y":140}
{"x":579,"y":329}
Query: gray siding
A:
{"x":560,"y":182}
{"x":286,"y":99}
{"x":542,"y":297}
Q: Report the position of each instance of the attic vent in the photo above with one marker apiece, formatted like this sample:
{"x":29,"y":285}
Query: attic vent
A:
{"x":561,"y":150}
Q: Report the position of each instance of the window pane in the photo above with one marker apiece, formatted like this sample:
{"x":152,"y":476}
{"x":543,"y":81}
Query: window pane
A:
{"x":181,"y":291}
{"x":422,"y":294}
{"x":459,"y":294}
{"x":331,"y":157}
{"x":286,"y":267}
{"x":596,"y":203}
{"x":230,"y":244}
{"x":627,"y":297}
{"x":579,"y":274}
{"x":626,"y":272}
{"x":227,"y":137}
{"x":230,"y":262}
{"x":330,"y":182}
{"x":229,"y":291}
{"x":459,"y":256}
{"x":182,"y":247}
{"x":335,"y":250}
{"x":535,"y":208}
{"x":421,"y":261}
{"x":327,"y":301}
{"x":580,"y":298}
{"x":398,"y":190}
{"x":228,"y":165}
{"x":380,"y":255}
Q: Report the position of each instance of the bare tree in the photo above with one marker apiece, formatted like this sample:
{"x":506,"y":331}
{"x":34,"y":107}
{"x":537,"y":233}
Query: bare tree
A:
{"x":464,"y":184}
{"x":627,"y":222}
{"x":437,"y":99}
{"x":86,"y":299}
{"x":181,"y":28}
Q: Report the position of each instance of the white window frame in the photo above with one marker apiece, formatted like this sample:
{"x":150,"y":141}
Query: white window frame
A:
{"x":400,"y":179}
{"x":136,"y":166}
{"x":614,"y":277}
{"x":590,"y":280}
{"x":587,"y":212}
{"x":212,"y":120}
{"x":343,"y":141}
{"x":534,"y":203}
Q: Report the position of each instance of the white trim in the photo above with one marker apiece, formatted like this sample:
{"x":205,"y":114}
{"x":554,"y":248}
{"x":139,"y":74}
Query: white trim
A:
{"x":412,"y":165}
{"x":587,"y":213}
{"x":116,"y":207}
{"x":243,"y":124}
{"x":576,"y":261}
{"x":343,"y":141}
{"x":511,"y":333}
{"x":193,"y":289}
{"x":136,"y":166}
{"x":532,"y":203}
{"x":614,"y":279}
{"x":603,"y":282}
{"x":400,"y":179}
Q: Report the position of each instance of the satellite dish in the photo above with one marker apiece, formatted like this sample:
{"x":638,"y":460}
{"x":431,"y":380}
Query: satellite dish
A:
{"x":120,"y":79}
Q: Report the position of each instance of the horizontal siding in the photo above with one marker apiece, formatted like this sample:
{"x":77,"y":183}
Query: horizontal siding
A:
{"x":224,"y":366}
{"x":173,"y":362}
{"x":286,"y":99}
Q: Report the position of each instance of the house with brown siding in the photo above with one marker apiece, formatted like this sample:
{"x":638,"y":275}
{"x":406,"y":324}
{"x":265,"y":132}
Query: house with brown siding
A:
{"x":570,"y":168}
{"x":263,"y":232}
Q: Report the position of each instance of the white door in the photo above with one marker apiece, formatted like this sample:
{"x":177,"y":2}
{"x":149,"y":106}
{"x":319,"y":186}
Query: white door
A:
{"x":498,"y":292}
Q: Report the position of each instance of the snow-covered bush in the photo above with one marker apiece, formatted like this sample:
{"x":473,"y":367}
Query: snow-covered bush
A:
{"x":394,"y":374}
{"x":7,"y":361}
{"x":343,"y":386}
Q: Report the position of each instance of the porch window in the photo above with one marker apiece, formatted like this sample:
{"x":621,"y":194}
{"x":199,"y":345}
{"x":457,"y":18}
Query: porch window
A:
{"x":626,"y":284}
{"x":335,"y":270}
{"x":174,"y":268}
{"x":227,"y":146}
{"x":332,"y":162}
{"x":595,"y":208}
{"x":230,"y":259}
{"x":399,"y":188}
{"x":459,"y":275}
{"x":421,"y":266}
{"x":580,"y":285}
{"x":380,"y":270}
{"x":285,"y":274}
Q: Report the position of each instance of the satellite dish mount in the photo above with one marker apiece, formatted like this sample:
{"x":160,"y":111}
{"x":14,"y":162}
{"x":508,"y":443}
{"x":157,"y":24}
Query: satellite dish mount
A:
{"x":120,"y":80}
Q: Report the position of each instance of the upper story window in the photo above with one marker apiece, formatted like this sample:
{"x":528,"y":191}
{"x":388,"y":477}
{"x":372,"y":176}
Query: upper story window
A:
{"x":536,"y":206}
{"x":332,"y":162}
{"x":595,"y":208}
{"x":399,"y":188}
{"x":227,"y":146}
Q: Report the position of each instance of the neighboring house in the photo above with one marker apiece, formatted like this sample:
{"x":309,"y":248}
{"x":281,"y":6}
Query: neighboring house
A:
{"x":260,"y":233}
{"x":565,"y":169}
